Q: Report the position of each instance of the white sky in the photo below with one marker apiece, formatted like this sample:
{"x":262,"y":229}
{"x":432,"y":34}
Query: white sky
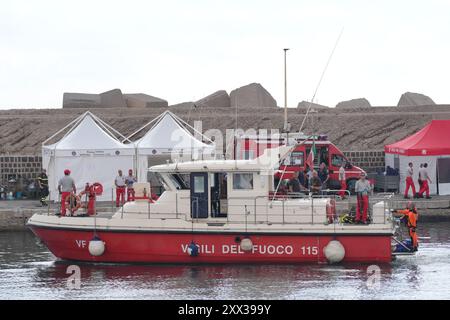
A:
{"x":184,"y":50}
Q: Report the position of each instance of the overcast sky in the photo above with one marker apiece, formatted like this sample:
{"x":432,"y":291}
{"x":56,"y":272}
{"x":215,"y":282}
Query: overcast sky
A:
{"x":183,"y":50}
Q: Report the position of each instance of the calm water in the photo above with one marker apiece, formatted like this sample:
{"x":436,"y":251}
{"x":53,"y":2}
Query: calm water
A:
{"x":29,"y":271}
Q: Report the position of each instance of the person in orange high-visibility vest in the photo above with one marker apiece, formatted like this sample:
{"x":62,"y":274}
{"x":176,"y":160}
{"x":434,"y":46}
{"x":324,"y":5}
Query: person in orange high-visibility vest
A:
{"x":410,"y":216}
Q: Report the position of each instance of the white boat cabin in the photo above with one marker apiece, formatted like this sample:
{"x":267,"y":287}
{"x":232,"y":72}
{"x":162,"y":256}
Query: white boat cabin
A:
{"x":239,"y":191}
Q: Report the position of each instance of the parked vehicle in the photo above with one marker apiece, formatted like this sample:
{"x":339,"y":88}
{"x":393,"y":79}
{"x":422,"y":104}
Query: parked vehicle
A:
{"x":251,"y":147}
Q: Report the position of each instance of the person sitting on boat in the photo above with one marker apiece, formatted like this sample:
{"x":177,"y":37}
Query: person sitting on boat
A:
{"x":66,"y":186}
{"x":362,"y":189}
{"x":323,"y":175}
{"x":410,"y":217}
{"x":315,"y":183}
{"x":130,"y":180}
{"x":295,"y":185}
{"x":119,"y":182}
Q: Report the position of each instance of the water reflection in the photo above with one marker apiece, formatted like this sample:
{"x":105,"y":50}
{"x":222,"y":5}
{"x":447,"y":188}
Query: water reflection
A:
{"x":29,"y":271}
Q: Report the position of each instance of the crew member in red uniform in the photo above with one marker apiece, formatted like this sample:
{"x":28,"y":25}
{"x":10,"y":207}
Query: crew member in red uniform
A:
{"x":362,"y":189}
{"x":66,"y":186}
{"x":425,"y":178}
{"x":119,"y":182}
{"x":410,"y":181}
{"x":410,"y":215}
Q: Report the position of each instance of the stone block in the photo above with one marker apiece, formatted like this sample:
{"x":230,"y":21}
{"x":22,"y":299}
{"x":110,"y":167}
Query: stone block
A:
{"x":218,"y":99}
{"x":252,"y":96}
{"x":112,"y":99}
{"x":141,"y":100}
{"x":414,"y":99}
{"x":354,"y":103}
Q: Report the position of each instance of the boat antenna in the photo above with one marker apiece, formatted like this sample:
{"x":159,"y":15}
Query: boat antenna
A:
{"x":321,"y":78}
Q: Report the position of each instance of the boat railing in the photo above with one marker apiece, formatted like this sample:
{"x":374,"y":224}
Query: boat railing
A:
{"x":260,"y":209}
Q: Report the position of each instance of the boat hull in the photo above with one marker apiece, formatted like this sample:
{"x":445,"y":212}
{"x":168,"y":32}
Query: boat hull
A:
{"x":214,"y":247}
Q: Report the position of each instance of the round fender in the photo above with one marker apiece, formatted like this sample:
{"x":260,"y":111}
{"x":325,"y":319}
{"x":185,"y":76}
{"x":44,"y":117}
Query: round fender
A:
{"x":246,"y":244}
{"x":192,"y":249}
{"x":334,"y":251}
{"x":96,"y":247}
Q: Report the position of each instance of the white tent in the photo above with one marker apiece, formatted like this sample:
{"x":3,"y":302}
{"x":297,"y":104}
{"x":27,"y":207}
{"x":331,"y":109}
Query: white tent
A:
{"x":91,"y":150}
{"x":169,"y":139}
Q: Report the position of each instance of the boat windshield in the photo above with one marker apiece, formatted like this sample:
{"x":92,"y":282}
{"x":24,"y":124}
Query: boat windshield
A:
{"x":179,"y":181}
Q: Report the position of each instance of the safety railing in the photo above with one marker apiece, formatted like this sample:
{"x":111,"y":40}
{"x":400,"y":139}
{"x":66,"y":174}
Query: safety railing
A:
{"x":284,"y":210}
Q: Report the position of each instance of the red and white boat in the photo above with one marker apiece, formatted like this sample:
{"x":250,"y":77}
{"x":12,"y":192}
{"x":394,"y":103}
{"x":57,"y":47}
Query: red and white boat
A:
{"x":220,"y":211}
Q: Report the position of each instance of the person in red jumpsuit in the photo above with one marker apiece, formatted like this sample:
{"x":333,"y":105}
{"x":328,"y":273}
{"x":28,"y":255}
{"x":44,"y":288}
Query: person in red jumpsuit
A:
{"x":119,"y":182}
{"x":66,"y":186}
{"x":409,"y":181}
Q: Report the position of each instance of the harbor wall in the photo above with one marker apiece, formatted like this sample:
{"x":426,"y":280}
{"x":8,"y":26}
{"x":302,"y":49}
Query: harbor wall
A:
{"x":370,"y":161}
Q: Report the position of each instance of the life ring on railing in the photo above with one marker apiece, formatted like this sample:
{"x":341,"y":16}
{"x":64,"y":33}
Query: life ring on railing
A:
{"x":97,"y":188}
{"x":73,"y":202}
{"x":331,"y":210}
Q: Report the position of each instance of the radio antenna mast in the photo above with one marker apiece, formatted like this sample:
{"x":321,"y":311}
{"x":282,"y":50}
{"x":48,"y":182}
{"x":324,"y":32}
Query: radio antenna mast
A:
{"x":320,"y":80}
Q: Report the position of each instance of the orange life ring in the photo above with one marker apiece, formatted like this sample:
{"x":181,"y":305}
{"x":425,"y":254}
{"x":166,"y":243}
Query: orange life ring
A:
{"x":97,"y":188}
{"x":73,"y":202}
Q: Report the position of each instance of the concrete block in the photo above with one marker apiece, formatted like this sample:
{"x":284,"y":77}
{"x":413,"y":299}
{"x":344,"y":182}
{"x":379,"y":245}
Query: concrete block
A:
{"x":218,"y":99}
{"x":141,"y":100}
{"x":81,"y":100}
{"x":112,"y":99}
{"x":354,"y":103}
{"x":252,"y":96}
{"x":414,"y":99}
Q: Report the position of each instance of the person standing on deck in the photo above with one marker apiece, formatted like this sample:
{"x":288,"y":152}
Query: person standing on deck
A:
{"x":362,"y":189}
{"x":66,"y":186}
{"x":130,"y":180}
{"x":410,"y":181}
{"x":119,"y":182}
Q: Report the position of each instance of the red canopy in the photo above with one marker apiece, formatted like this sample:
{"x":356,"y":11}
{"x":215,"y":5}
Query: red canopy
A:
{"x":433,"y":139}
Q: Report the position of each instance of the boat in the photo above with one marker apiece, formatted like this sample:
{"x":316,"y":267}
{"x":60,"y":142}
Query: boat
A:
{"x":221,"y":211}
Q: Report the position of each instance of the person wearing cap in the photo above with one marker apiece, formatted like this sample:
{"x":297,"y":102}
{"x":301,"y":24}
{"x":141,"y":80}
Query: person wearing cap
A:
{"x":66,"y":186}
{"x":130,"y":180}
{"x":362,"y":189}
{"x":119,"y":182}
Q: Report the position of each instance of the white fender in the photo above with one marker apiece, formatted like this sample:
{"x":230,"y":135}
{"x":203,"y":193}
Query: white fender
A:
{"x":246,"y":244}
{"x":334,"y":251}
{"x":96,"y":247}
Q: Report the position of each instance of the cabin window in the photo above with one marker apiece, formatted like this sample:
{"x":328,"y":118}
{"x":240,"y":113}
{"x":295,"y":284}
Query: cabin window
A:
{"x":297,"y":158}
{"x":179,"y":182}
{"x":243,"y":181}
{"x":199,"y":184}
{"x":337,"y":160}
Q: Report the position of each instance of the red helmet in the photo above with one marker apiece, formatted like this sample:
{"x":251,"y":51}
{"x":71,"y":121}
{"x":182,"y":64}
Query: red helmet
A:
{"x":67,"y":172}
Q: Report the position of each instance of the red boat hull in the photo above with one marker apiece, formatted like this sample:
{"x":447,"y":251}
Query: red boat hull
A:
{"x":158,"y":247}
